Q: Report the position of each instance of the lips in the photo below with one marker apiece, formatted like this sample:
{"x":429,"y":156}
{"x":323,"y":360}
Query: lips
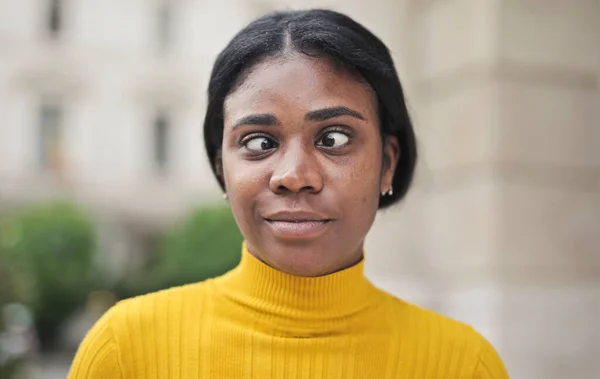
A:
{"x":297,"y":224}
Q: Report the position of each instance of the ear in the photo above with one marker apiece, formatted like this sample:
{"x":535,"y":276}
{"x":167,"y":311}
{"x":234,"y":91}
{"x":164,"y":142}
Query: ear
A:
{"x":391,"y":154}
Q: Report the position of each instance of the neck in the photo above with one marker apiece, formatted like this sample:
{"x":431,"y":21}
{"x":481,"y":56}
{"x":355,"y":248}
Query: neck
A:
{"x":351,"y":260}
{"x":283,"y":303}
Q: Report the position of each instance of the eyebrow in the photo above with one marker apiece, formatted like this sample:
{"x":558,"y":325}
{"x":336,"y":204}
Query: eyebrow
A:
{"x":268,"y":119}
{"x":332,"y":112}
{"x":263,"y":119}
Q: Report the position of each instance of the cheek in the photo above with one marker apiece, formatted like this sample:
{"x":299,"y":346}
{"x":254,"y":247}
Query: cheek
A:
{"x":356,"y":184}
{"x":360,"y":173}
{"x":244,"y":182}
{"x":239,"y":176}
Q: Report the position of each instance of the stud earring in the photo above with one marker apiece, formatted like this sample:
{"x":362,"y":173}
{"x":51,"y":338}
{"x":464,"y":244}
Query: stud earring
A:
{"x":389,"y":192}
{"x":225,"y":196}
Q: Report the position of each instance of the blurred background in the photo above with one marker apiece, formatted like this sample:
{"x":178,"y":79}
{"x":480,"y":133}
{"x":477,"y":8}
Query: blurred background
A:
{"x":105,"y":191}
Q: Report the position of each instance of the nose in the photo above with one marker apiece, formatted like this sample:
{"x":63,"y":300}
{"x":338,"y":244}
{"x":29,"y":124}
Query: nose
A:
{"x":296,"y":170}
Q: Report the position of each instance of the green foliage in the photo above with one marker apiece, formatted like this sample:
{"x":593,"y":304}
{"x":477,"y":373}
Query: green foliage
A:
{"x":51,"y":248}
{"x":8,"y":286}
{"x":205,"y":245}
{"x":8,"y":294}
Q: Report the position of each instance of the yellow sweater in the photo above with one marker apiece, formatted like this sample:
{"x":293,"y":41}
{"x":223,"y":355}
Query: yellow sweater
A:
{"x":257,"y":322}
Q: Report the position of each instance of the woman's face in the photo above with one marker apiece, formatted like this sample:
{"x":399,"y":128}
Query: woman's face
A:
{"x":303,"y":163}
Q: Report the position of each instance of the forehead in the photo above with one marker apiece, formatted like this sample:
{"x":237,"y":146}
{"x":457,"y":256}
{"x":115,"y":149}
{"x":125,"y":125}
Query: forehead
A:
{"x":302,"y":83}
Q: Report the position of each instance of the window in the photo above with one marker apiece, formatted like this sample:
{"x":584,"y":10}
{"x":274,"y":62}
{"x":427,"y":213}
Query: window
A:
{"x":164,"y":21}
{"x":160,"y":137}
{"x":50,"y":150}
{"x":54,"y":18}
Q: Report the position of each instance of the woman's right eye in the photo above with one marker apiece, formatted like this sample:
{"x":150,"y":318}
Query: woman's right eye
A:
{"x":259,"y":144}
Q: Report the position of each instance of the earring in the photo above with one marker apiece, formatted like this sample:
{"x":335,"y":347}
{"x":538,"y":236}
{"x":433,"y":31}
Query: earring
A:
{"x":225,"y":196}
{"x":389,"y":192}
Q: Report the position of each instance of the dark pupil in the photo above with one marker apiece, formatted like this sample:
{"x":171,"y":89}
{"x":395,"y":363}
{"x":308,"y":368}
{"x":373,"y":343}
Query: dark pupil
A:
{"x":328,"y":141}
{"x":266,"y":144}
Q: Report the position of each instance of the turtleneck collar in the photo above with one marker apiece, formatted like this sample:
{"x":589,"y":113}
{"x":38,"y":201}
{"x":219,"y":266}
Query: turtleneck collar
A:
{"x":285,"y":303}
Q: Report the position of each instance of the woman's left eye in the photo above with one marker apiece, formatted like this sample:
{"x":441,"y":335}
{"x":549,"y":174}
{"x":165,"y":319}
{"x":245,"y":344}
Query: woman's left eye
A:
{"x":334,"y":140}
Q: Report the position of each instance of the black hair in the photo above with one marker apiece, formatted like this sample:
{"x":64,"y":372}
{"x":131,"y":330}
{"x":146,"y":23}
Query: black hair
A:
{"x":328,"y":33}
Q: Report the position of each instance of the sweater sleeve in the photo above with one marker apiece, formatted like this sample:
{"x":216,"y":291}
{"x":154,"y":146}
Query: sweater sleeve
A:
{"x":490,"y":365}
{"x":98,"y":355}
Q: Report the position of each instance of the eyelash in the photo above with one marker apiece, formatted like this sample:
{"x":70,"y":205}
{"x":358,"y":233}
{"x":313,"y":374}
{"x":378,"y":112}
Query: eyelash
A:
{"x":243,"y":141}
{"x":336,"y":129}
{"x":248,"y":137}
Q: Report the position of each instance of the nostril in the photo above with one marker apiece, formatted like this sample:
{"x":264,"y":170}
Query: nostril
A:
{"x":299,"y":178}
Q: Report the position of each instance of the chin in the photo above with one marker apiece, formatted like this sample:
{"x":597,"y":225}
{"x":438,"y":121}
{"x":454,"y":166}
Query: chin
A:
{"x":305,"y":268}
{"x":301,"y":259}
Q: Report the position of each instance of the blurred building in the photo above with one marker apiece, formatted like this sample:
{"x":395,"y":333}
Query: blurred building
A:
{"x":102,"y":102}
{"x":503,"y":226}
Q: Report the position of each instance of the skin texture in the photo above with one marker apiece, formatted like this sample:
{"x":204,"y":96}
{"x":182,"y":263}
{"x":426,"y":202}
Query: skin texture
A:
{"x":329,"y":167}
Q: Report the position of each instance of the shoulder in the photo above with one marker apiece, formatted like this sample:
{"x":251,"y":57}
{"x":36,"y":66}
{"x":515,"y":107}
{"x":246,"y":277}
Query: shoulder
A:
{"x":489,"y":363}
{"x":451,"y":339}
{"x":98,"y":354}
{"x":148,"y":314}
{"x":156,"y":303}
{"x":426,"y":322}
{"x":107,"y":349}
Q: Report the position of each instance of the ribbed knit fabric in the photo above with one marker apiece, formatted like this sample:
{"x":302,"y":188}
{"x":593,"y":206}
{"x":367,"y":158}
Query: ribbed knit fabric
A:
{"x":257,"y":322}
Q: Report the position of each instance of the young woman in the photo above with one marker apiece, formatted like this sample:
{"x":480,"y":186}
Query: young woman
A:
{"x":308,"y":135}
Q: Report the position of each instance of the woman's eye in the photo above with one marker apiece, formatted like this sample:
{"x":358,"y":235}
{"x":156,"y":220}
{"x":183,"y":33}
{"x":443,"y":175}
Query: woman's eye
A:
{"x":260,"y":144}
{"x":333,"y":140}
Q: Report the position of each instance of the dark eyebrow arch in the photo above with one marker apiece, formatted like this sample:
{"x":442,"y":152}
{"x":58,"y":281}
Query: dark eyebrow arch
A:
{"x":332,"y":112}
{"x":262,"y":119}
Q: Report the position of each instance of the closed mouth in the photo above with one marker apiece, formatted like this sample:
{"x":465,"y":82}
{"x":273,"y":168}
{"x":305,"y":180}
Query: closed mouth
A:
{"x":296,"y":216}
{"x":298,"y":221}
{"x":298,"y":228}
